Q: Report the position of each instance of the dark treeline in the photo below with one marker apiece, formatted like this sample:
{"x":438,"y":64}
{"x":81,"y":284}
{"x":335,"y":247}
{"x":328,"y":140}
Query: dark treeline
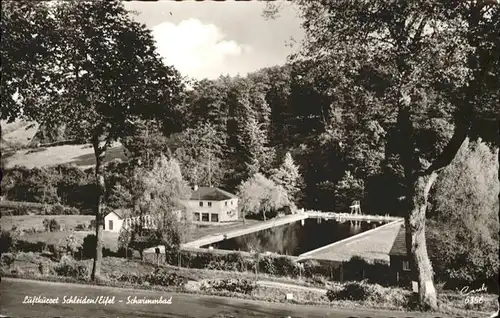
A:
{"x":237,"y":126}
{"x":242,"y":125}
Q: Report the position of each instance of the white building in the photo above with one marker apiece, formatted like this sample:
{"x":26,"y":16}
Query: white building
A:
{"x":209,"y":204}
{"x":118,"y":219}
{"x":113,"y":221}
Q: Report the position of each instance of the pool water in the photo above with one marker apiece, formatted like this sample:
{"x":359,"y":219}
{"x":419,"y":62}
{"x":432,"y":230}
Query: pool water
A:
{"x":295,"y":238}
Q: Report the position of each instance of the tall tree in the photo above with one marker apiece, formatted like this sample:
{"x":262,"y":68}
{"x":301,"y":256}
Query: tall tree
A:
{"x":260,"y":195}
{"x":146,"y":142}
{"x":200,"y":149}
{"x":420,"y":49}
{"x":288,"y":176}
{"x":101,"y":75}
{"x":161,"y":191}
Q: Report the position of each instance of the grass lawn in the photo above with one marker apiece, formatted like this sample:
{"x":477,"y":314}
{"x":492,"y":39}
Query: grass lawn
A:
{"x":80,"y":155}
{"x":18,"y":132}
{"x":68,"y":222}
{"x":110,"y":239}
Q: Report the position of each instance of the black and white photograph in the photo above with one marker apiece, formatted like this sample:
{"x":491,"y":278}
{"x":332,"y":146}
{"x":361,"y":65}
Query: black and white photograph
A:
{"x":227,"y":159}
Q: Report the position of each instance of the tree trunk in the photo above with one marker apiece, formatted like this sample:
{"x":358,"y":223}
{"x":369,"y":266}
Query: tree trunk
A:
{"x":101,"y":187}
{"x":415,"y":239}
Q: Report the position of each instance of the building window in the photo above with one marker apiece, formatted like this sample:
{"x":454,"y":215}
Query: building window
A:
{"x":209,"y":204}
{"x":201,"y":203}
{"x":204,"y":217}
{"x":214,"y":217}
{"x":197,"y":216}
{"x":406,"y":265}
{"x":110,"y":225}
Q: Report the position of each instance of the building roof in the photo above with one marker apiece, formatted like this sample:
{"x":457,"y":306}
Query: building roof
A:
{"x":121,"y":213}
{"x":399,"y":245}
{"x":211,"y":194}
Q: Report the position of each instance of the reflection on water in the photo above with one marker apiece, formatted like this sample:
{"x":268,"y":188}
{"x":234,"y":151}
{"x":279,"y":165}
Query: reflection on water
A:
{"x":295,"y":238}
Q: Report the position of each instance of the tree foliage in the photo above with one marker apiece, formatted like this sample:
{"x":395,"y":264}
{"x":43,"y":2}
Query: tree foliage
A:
{"x":200,"y":151}
{"x":348,"y":190}
{"x":428,"y":62}
{"x":160,"y":192}
{"x":259,"y":195}
{"x":464,"y":218}
{"x":288,"y":176}
{"x":97,"y":73}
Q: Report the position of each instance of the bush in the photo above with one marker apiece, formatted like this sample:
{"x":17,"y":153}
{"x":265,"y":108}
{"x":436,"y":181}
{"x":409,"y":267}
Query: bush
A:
{"x":131,"y":278}
{"x":7,"y":259}
{"x":89,"y":246}
{"x":310,"y":267}
{"x":81,"y":227}
{"x":242,"y":286}
{"x":20,"y":210}
{"x":51,"y":225}
{"x":235,"y":262}
{"x":286,"y":266}
{"x":351,"y":291}
{"x":162,"y":278}
{"x":46,"y":268}
{"x":266,"y":265}
{"x":202,"y":260}
{"x":362,"y":291}
{"x":25,"y":246}
{"x":8,"y":241}
{"x":59,"y":209}
{"x":68,"y":267}
{"x":158,"y":278}
{"x":56,"y":251}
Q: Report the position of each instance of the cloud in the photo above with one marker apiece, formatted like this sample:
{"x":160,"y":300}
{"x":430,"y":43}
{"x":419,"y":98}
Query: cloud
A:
{"x":196,"y":49}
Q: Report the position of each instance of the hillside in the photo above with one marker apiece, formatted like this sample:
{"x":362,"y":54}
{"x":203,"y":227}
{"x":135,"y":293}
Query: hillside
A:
{"x":80,"y":155}
{"x":19,"y":133}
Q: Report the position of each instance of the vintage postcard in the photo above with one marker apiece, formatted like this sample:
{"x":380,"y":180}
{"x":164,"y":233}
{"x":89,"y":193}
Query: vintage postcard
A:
{"x":300,"y":158}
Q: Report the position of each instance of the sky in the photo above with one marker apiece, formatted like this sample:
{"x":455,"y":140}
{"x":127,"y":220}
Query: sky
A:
{"x":207,"y":39}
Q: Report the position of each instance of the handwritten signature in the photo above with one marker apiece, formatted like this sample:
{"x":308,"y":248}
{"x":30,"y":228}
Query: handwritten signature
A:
{"x":465,"y":290}
{"x":472,"y":297}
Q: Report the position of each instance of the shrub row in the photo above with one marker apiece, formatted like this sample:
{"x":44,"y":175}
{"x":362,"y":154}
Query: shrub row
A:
{"x":66,"y":185}
{"x":69,"y":267}
{"x":356,"y":269}
{"x":159,"y":277}
{"x":26,"y":208}
{"x":278,"y":265}
{"x":272,"y":264}
{"x":241,"y":286}
{"x":365,"y":292}
{"x":11,"y":241}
